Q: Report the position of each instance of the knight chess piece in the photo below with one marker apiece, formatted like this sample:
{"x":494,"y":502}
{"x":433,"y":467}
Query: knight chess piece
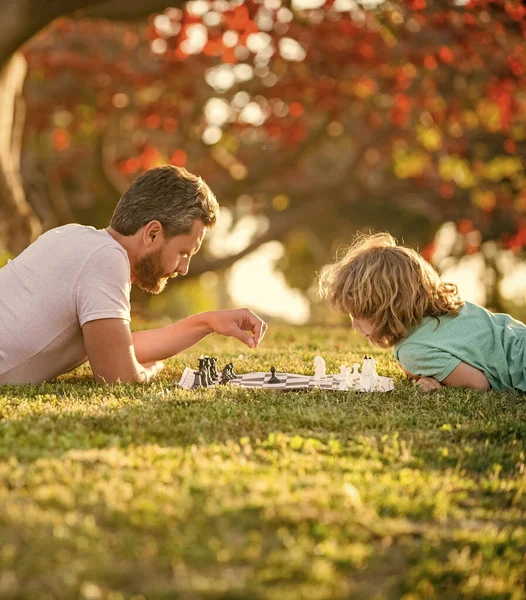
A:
{"x":213,"y":367}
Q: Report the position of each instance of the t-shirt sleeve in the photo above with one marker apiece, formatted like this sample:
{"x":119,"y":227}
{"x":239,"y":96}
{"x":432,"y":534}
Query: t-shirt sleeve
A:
{"x":103,"y":287}
{"x":426,"y":361}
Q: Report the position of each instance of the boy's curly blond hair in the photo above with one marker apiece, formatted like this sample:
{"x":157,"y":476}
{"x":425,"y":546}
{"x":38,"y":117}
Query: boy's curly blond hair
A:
{"x":391,"y":286}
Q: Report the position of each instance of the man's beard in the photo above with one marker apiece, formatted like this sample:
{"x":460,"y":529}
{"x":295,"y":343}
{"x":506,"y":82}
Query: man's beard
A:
{"x":149,"y":274}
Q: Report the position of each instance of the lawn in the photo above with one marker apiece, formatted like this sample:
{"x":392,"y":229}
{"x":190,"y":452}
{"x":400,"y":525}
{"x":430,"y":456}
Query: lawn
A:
{"x":150,"y":492}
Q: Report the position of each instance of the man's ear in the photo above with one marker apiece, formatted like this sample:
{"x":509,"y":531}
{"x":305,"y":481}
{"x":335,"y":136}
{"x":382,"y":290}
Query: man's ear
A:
{"x":153,"y":233}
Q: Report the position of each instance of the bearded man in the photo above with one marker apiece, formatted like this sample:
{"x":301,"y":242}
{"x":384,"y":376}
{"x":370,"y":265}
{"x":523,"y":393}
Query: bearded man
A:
{"x":66,"y":298}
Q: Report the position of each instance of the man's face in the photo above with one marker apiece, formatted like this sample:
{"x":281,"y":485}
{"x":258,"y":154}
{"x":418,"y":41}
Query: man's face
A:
{"x":169,"y":259}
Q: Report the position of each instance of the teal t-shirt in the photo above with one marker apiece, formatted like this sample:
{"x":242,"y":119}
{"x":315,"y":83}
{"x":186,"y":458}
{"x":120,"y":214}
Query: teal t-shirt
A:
{"x":493,"y":343}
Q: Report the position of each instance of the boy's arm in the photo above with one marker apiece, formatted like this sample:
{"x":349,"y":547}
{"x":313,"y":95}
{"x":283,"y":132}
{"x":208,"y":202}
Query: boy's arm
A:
{"x":467,"y":376}
{"x":463,"y":375}
{"x":158,"y":344}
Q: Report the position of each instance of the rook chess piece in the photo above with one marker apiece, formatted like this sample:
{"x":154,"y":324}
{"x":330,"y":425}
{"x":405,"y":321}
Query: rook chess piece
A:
{"x":197,"y":380}
{"x":273,"y":378}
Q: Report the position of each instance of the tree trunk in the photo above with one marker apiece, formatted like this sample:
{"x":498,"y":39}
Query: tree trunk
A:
{"x":21,"y":226}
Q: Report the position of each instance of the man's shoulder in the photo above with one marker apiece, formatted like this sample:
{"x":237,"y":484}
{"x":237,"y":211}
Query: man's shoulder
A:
{"x":85,"y":242}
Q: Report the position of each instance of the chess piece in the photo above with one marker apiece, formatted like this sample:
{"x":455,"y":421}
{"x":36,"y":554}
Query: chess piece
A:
{"x":225,"y":374}
{"x":354,"y":377}
{"x":208,"y":374}
{"x":231,"y":369}
{"x":374,"y":373}
{"x":344,"y":378}
{"x":203,"y":367}
{"x":273,"y":378}
{"x":367,"y":375}
{"x":319,"y":367}
{"x":213,"y":367}
{"x":197,"y":380}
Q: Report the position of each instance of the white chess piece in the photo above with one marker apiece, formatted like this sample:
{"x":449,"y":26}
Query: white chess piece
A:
{"x":367,"y":375}
{"x":319,"y":367}
{"x":374,"y":373}
{"x":344,"y":384}
{"x":354,"y":377}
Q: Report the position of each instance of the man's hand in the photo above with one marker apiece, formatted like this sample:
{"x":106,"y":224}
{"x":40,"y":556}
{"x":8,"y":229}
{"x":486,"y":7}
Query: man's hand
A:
{"x":240,"y":323}
{"x":428,"y":384}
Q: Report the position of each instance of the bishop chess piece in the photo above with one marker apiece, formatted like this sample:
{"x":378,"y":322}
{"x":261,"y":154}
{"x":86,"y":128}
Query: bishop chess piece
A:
{"x":273,"y":378}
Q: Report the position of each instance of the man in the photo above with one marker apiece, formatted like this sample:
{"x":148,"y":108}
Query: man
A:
{"x":66,"y":298}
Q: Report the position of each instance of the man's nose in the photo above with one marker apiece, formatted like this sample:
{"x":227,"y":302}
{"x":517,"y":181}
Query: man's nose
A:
{"x":182,"y":268}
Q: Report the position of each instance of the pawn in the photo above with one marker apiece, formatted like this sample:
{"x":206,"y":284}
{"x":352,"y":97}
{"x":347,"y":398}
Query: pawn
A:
{"x":319,"y":366}
{"x":273,"y":378}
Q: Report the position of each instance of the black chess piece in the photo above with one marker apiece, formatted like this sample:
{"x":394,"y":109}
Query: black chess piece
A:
{"x":213,"y":367}
{"x":197,"y":380}
{"x":202,"y":363}
{"x":208,"y":370}
{"x":225,"y":375}
{"x":273,"y":378}
{"x":231,"y":370}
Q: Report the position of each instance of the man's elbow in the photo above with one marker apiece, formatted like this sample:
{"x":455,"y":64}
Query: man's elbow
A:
{"x":139,"y":376}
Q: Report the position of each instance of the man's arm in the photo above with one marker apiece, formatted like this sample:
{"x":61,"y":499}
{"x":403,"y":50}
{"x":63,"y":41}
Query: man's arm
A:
{"x":159,"y":344}
{"x":109,"y":346}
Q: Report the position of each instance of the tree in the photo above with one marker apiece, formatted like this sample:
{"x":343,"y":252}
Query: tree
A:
{"x":21,"y":19}
{"x":344,"y":114}
{"x":359,"y":103}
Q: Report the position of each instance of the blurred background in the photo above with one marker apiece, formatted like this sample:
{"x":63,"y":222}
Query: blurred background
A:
{"x":310,"y":120}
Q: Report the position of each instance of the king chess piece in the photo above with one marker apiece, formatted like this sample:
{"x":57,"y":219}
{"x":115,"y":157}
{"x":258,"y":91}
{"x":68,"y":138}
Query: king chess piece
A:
{"x":273,"y":378}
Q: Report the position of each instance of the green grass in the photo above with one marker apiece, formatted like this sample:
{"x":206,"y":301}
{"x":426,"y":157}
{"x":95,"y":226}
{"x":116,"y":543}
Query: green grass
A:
{"x":155,"y":493}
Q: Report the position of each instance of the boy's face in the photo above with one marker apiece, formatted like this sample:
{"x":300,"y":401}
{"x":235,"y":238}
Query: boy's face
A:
{"x":363,"y":326}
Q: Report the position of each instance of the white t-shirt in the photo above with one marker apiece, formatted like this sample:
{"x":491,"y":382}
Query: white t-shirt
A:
{"x":70,"y":275}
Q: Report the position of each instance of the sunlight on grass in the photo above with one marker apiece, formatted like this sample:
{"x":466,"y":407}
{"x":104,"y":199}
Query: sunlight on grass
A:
{"x":151,"y":492}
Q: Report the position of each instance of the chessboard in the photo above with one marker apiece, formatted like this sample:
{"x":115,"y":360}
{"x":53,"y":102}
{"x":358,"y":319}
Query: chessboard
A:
{"x":287,"y":381}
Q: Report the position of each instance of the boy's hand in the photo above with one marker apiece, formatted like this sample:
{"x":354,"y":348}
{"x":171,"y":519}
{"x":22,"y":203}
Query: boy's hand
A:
{"x":428,"y":384}
{"x":240,"y":323}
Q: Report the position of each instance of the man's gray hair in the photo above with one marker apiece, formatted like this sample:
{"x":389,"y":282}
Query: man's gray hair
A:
{"x":170,"y":195}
